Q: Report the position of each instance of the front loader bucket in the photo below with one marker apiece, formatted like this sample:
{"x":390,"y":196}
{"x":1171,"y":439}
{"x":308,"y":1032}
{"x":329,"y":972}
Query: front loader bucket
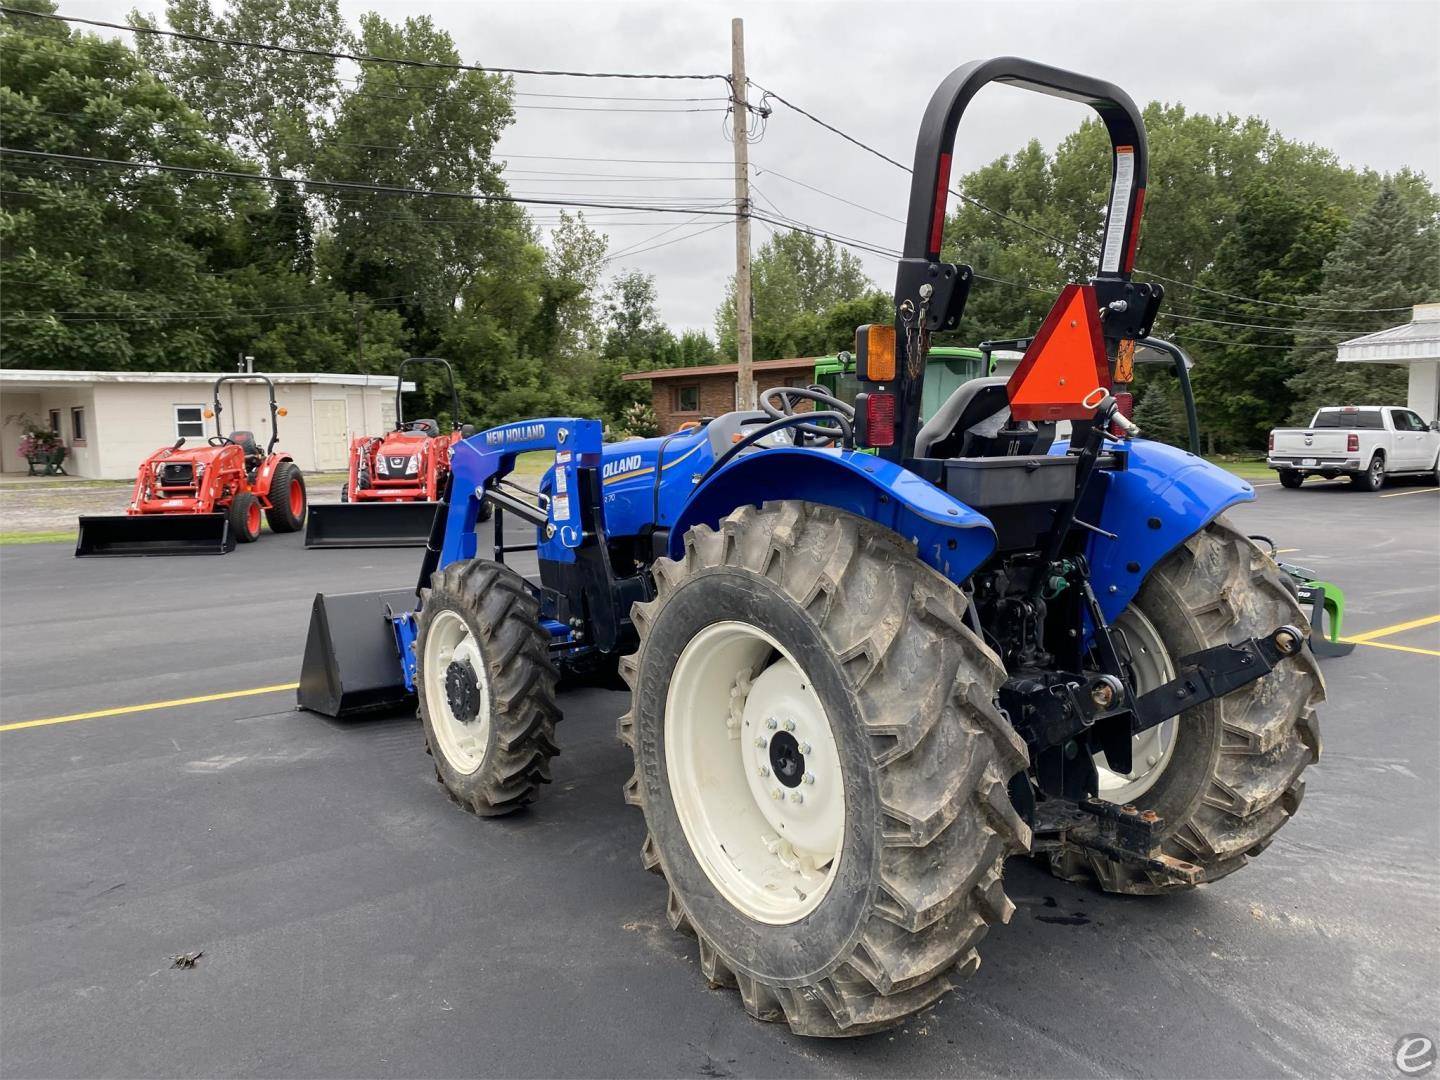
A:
{"x":155,"y":534}
{"x":352,"y":663}
{"x":369,"y":524}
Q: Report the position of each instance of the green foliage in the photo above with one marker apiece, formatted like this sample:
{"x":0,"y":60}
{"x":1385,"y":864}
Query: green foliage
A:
{"x":1159,"y":413}
{"x":799,"y":283}
{"x":1389,"y":257}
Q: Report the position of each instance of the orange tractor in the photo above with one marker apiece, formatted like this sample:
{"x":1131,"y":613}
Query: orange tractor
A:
{"x":202,"y":500}
{"x":396,"y":480}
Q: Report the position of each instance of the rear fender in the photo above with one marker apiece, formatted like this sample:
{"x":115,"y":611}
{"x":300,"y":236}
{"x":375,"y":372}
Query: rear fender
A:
{"x":947,"y":534}
{"x":1158,"y":501}
{"x":263,"y":476}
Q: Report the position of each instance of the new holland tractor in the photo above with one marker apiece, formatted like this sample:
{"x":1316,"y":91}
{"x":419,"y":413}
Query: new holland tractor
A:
{"x":870,"y":658}
{"x":395,"y":479}
{"x":202,"y":500}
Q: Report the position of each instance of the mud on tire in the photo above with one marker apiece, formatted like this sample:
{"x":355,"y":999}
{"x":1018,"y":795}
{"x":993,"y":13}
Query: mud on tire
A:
{"x":508,"y":758}
{"x":1235,"y":774}
{"x":925,"y":755}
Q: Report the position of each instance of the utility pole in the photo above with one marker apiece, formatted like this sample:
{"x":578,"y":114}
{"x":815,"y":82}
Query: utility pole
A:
{"x":360,"y":364}
{"x":744,"y":334}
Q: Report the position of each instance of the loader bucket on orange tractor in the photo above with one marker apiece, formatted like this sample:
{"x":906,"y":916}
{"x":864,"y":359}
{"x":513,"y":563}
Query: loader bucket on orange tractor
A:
{"x":155,"y":534}
{"x":369,"y":524}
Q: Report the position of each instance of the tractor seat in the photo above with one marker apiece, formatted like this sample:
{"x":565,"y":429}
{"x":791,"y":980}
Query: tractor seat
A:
{"x":425,"y":427}
{"x":975,"y":422}
{"x":246,"y":441}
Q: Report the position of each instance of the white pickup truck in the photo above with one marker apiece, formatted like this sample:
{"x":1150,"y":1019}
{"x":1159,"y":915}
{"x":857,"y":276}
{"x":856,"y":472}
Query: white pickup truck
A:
{"x":1367,"y":443}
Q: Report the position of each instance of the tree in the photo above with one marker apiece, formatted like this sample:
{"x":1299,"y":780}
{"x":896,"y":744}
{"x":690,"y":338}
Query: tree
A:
{"x":793,"y":275}
{"x":1157,"y":414}
{"x":102,"y":268}
{"x":1388,"y":258}
{"x":274,"y":106}
{"x":633,"y":328}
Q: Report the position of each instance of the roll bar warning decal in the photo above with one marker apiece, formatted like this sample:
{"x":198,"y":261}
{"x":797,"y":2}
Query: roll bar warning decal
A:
{"x":1119,"y":210}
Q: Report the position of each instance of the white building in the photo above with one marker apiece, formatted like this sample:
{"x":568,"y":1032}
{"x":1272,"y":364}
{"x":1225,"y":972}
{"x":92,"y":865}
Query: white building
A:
{"x":112,"y":420}
{"x":1416,"y":345}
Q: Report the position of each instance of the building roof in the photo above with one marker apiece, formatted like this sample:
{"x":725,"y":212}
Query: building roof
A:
{"x":41,"y":378}
{"x":806,"y":363}
{"x":1415,"y":341}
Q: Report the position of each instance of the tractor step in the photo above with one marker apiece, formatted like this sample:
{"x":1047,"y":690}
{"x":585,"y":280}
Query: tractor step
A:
{"x":369,"y":524}
{"x":154,"y":534}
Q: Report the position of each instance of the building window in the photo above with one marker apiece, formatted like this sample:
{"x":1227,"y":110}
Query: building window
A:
{"x":55,"y":421}
{"x":190,"y":421}
{"x":77,"y":426}
{"x":687,"y":399}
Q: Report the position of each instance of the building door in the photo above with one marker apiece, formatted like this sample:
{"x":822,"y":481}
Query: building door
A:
{"x":332,"y":433}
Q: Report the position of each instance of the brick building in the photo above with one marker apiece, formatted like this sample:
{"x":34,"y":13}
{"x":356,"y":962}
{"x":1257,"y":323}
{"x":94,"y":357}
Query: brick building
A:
{"x":680,"y":395}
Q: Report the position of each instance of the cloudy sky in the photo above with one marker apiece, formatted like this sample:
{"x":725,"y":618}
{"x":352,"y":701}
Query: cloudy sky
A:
{"x":1362,"y":78}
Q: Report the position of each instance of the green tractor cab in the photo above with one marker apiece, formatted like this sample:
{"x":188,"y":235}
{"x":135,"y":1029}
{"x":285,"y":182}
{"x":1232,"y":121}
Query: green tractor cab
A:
{"x":946,"y":368}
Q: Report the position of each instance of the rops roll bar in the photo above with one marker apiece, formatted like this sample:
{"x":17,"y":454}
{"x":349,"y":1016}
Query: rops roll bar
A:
{"x":930,"y":295}
{"x":400,"y":383}
{"x":274,"y":408}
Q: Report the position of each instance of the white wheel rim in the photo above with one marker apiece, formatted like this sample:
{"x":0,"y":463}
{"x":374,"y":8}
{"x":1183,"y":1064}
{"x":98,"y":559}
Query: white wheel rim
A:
{"x":739,"y":721}
{"x":1151,"y":750}
{"x":449,"y":641}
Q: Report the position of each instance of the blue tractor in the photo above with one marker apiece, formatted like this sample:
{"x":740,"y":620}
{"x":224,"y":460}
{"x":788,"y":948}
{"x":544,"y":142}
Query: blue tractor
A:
{"x":869,"y":657}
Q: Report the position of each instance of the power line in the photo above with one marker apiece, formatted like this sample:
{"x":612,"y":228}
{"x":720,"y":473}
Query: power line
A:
{"x":378,"y":189}
{"x":362,"y":58}
{"x":666,"y":243}
{"x":1088,"y":249}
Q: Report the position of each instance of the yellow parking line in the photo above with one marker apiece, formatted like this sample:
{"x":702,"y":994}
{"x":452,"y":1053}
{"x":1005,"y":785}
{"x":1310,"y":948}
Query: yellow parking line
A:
{"x":1386,"y":631}
{"x":1412,"y":491}
{"x":98,"y":713}
{"x":1397,"y":648}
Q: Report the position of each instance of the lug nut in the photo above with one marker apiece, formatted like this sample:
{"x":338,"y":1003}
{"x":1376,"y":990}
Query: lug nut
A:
{"x":772,"y":723}
{"x":804,"y":748}
{"x":760,"y":744}
{"x":764,"y":770}
{"x":796,"y":797}
{"x":789,"y":725}
{"x":776,"y":794}
{"x":809,"y":778}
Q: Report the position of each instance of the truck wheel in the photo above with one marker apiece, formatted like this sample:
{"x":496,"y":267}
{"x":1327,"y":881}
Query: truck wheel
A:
{"x":1373,"y":478}
{"x":822,"y":767}
{"x":486,"y":686}
{"x":1291,"y":478}
{"x":345,"y":491}
{"x":287,"y":499}
{"x":245,"y":518}
{"x":1224,"y":775}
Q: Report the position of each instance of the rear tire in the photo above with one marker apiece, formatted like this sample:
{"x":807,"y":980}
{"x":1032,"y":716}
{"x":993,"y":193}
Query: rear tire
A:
{"x":288,"y":503}
{"x":245,"y":518}
{"x":1290,"y":478}
{"x":486,"y":687}
{"x":1233,"y":775}
{"x":867,"y":906}
{"x":1373,"y":478}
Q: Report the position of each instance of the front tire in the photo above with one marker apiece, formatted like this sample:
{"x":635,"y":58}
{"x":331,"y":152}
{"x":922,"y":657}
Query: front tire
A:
{"x":486,"y":687}
{"x":1231,"y":776}
{"x":245,"y":518}
{"x":1291,"y":478}
{"x":851,"y":909}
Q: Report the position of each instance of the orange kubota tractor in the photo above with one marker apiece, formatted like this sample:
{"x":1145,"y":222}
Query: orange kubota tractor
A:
{"x":201,"y":500}
{"x":396,"y":480}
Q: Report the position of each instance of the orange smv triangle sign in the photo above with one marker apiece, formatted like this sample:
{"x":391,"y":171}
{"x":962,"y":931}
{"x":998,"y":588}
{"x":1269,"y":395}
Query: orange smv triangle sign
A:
{"x":1064,"y":363}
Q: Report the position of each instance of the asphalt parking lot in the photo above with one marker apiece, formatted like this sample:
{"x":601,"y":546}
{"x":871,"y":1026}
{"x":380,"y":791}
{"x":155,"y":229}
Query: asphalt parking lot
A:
{"x":352,"y":921}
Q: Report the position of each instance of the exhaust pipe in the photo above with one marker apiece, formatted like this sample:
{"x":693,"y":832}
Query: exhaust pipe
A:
{"x":369,"y":524}
{"x":154,"y":534}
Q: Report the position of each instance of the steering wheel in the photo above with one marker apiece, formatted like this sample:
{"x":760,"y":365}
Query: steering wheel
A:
{"x":830,"y":425}
{"x":221,"y":440}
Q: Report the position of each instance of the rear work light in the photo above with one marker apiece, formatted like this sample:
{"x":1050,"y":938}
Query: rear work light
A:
{"x":1352,"y":443}
{"x":1125,"y":406}
{"x":877,"y":414}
